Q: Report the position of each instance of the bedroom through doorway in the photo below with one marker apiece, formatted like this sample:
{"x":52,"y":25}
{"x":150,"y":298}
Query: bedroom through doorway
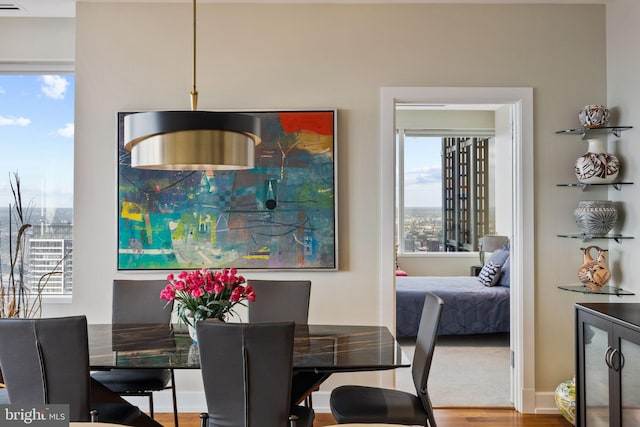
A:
{"x":454,"y":177}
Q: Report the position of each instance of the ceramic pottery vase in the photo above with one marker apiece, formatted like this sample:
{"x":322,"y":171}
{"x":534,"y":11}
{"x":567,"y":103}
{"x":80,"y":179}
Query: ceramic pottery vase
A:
{"x":596,"y":166}
{"x":565,"y":396}
{"x":594,"y":273}
{"x":594,"y":116}
{"x":596,"y":217}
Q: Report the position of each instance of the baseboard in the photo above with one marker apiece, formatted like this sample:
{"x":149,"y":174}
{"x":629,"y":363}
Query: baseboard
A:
{"x":546,"y":403}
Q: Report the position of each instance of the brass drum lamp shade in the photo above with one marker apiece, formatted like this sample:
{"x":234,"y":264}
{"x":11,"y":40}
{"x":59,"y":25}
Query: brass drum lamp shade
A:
{"x":191,"y":140}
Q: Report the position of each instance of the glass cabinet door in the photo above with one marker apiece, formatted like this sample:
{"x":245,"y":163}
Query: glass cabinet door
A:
{"x":596,"y":376}
{"x":629,"y":362}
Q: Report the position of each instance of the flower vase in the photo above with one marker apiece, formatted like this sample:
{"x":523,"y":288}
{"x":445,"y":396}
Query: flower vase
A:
{"x":192,"y":333}
{"x":596,"y":166}
{"x":193,"y":357}
{"x":192,"y":329}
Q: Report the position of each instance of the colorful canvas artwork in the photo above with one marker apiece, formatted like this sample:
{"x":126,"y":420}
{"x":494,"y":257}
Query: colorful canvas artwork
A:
{"x":279,"y":215}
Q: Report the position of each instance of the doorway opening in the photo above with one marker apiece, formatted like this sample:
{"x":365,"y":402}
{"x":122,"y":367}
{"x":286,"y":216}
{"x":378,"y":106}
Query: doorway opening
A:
{"x":517,"y":102}
{"x":453,"y":190}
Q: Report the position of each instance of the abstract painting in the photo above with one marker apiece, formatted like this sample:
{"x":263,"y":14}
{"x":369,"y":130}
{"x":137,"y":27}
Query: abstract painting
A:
{"x":280,"y":215}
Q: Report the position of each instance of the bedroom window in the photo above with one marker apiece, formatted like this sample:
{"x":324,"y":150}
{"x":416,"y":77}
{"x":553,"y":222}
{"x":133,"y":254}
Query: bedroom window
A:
{"x":445,"y":201}
{"x":37,"y":138}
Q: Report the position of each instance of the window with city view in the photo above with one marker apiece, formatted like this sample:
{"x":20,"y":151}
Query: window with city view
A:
{"x":444,"y":197}
{"x":36,"y":139}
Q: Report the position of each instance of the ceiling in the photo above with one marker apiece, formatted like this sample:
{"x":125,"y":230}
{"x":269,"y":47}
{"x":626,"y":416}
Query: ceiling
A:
{"x":66,"y":8}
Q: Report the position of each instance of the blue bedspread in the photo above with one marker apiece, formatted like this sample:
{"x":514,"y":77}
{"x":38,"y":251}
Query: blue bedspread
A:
{"x":469,"y":307}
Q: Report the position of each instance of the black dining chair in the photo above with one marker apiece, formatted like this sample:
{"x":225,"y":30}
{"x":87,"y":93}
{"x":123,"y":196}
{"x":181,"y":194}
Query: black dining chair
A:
{"x":46,"y":361}
{"x":4,"y":396}
{"x":361,"y":404}
{"x":246,"y":370}
{"x":138,"y":301}
{"x":281,"y":301}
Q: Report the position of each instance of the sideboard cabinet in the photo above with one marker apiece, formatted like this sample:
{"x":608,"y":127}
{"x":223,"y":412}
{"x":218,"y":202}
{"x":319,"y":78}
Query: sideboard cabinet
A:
{"x":608,"y":364}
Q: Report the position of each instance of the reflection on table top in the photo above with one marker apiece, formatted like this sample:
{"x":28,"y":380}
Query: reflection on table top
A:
{"x":318,"y":348}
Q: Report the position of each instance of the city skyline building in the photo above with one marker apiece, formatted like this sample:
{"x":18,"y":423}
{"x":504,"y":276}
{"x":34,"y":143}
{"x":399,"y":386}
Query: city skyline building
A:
{"x":50,"y":262}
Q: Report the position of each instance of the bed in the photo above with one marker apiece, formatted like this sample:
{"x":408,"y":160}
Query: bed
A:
{"x":469,"y":306}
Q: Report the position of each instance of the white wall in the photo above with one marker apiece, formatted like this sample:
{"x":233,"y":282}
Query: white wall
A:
{"x":251,"y":56}
{"x":623,"y":98}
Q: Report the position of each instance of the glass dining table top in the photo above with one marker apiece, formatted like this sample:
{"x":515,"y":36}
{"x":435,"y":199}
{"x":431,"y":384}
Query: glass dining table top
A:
{"x":317,"y":348}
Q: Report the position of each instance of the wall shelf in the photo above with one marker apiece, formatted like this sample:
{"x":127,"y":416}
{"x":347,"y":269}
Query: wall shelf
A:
{"x":583,"y":186}
{"x":582,"y":236}
{"x":606,"y":290}
{"x":593,"y":133}
{"x":583,"y":132}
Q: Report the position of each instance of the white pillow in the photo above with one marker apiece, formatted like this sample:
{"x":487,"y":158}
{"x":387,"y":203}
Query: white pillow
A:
{"x":489,"y":274}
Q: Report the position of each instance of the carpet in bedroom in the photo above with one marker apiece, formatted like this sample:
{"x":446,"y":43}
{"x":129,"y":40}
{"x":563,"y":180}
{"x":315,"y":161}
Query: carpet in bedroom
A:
{"x":467,"y":370}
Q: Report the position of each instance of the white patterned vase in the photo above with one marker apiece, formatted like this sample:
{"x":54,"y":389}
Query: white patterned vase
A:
{"x":596,"y":217}
{"x":596,"y":166}
{"x":594,"y":116}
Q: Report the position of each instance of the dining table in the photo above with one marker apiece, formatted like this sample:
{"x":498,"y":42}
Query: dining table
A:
{"x":318,"y":351}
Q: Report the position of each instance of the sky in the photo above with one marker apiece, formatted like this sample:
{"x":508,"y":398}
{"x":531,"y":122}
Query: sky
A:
{"x":422,"y":172}
{"x":36,"y":138}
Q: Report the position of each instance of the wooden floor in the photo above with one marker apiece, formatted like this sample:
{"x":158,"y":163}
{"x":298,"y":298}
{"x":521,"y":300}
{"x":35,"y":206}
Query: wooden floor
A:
{"x":444,"y":417}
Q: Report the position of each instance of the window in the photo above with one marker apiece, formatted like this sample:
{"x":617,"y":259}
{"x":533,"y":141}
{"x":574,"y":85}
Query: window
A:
{"x":36,"y":139}
{"x":444,"y":191}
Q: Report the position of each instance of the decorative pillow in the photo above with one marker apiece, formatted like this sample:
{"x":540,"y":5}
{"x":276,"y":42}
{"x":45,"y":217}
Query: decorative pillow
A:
{"x":505,"y":276}
{"x":401,"y":272}
{"x":499,"y":256}
{"x":489,"y":274}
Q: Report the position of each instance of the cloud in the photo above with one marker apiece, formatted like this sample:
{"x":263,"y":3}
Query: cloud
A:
{"x":424,"y":175}
{"x":14,"y":121}
{"x":54,"y":86}
{"x":67,"y":131}
{"x":2,"y":91}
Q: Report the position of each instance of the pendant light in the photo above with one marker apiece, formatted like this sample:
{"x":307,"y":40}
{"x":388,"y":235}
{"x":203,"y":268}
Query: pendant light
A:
{"x":191,"y":140}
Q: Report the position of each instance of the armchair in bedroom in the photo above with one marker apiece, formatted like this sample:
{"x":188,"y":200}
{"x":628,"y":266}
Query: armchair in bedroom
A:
{"x":490,"y":244}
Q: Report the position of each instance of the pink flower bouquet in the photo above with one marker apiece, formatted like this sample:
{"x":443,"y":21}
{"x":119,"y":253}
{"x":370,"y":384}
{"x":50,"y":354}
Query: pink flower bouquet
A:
{"x":203,"y":294}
